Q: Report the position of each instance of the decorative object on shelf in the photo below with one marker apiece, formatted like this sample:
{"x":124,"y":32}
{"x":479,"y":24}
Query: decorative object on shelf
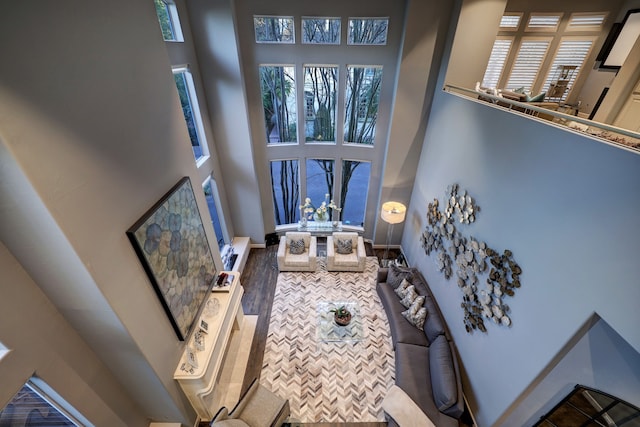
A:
{"x":192,"y":359}
{"x":471,"y":259}
{"x":392,"y":213}
{"x":321,"y":213}
{"x":341,"y":315}
{"x":198,"y":340}
{"x":204,"y":326}
{"x":172,"y":246}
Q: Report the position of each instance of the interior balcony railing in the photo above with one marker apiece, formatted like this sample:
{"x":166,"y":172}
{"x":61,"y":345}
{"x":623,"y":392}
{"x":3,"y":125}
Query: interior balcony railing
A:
{"x":612,"y":135}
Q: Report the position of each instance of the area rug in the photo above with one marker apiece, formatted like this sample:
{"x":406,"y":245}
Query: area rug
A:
{"x":328,"y":381}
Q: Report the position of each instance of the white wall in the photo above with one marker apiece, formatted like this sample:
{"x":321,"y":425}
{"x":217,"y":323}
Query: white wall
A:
{"x":564,"y":204}
{"x":42,"y":343}
{"x":90,"y":118}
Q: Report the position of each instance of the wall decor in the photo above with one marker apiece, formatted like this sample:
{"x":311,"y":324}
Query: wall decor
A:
{"x":471,"y":259}
{"x":172,"y":246}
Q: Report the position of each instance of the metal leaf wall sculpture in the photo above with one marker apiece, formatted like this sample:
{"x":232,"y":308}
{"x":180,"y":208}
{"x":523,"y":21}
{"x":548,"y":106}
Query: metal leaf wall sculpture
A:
{"x":472,"y":260}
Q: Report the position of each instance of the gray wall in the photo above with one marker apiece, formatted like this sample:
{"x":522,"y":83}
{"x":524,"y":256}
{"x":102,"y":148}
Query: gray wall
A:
{"x":565,"y":205}
{"x":91,"y":136}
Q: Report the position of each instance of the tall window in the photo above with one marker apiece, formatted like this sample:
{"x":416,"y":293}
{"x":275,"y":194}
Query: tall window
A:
{"x":355,"y":187}
{"x":528,"y":62}
{"x":571,"y":53}
{"x":34,"y":405}
{"x":362,"y":101}
{"x":169,"y":21}
{"x":285,"y":177}
{"x":320,"y":180}
{"x":499,"y":53}
{"x":216,"y":221}
{"x":191,"y":111}
{"x":278,"y":88}
{"x":526,"y":42}
{"x":318,"y":111}
{"x":320,"y":103}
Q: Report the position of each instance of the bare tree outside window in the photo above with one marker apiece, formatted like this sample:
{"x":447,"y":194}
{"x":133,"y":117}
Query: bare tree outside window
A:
{"x":320,"y":103}
{"x":274,"y":29}
{"x":368,"y":31}
{"x":277,"y":84}
{"x":320,"y":181}
{"x":362,"y":101}
{"x":286,"y":191}
{"x":321,"y":30}
{"x":353,"y":194}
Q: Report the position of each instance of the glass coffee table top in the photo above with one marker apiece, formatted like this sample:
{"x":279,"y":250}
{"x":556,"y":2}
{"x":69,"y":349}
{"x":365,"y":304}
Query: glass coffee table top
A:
{"x":328,"y":331}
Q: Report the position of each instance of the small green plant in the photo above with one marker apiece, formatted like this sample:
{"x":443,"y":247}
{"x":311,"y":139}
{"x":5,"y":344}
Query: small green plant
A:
{"x":341,"y":311}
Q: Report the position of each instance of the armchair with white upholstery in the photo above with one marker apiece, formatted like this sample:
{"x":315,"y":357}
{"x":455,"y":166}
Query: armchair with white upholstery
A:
{"x":353,"y":261}
{"x":304,"y":261}
{"x":258,"y":407}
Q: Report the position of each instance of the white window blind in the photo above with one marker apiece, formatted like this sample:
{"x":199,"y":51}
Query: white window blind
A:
{"x":571,"y":52}
{"x":527,"y":63}
{"x":499,"y":53}
{"x":540,"y":22}
{"x":510,"y":22}
{"x":586,"y":21}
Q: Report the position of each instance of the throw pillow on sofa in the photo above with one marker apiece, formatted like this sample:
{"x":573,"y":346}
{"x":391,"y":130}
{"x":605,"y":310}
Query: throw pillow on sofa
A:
{"x":396,"y":275}
{"x":416,"y":314}
{"x":411,"y":297}
{"x":345,"y":246}
{"x":401,"y":290}
{"x":296,"y":247}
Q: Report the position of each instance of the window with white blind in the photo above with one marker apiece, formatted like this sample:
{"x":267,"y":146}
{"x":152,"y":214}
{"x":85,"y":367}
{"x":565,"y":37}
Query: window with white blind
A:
{"x":586,"y":21}
{"x":528,"y":62}
{"x":510,"y":21}
{"x":571,"y":52}
{"x":543,"y":22}
{"x":499,"y":54}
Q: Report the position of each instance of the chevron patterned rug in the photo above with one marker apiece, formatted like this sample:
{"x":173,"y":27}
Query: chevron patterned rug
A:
{"x":328,"y":381}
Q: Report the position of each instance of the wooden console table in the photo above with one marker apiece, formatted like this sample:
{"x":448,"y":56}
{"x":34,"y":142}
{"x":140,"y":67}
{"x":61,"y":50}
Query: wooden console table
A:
{"x":224,"y":318}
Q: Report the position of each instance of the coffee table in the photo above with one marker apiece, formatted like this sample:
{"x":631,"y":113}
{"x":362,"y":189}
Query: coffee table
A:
{"x":328,"y":331}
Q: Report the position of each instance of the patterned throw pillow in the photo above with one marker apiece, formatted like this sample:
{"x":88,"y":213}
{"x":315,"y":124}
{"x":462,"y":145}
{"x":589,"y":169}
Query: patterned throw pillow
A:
{"x":411,"y":297}
{"x":344,"y":246}
{"x":416,"y":314}
{"x":401,"y":290}
{"x":296,"y":247}
{"x":396,"y":275}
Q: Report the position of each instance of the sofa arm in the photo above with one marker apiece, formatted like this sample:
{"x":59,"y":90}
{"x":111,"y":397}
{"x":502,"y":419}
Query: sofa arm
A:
{"x":382,"y":274}
{"x":282,"y":248}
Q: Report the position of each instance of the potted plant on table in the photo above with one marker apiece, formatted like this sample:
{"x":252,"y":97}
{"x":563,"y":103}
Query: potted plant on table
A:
{"x":341,"y":315}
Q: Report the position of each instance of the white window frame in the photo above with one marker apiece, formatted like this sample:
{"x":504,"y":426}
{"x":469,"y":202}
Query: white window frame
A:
{"x":304,"y":18}
{"x":293,"y":29}
{"x":174,"y":18}
{"x":195,"y":109}
{"x":372,"y":18}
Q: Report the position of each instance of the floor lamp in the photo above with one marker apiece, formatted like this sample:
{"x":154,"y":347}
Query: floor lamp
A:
{"x":391,"y":213}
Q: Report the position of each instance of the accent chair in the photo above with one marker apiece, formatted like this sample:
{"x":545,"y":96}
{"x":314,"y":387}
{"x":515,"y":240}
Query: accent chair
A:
{"x":258,"y":407}
{"x":345,"y":252}
{"x":291,"y":257}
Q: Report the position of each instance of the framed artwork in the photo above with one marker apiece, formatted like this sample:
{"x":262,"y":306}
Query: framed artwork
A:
{"x":173,"y":248}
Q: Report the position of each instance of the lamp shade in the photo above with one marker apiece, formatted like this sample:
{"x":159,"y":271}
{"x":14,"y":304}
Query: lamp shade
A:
{"x":393,"y":212}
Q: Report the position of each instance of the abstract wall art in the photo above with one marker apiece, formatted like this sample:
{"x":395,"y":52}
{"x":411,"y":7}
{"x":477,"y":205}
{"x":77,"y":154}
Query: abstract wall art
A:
{"x":172,"y":246}
{"x":472,"y":260}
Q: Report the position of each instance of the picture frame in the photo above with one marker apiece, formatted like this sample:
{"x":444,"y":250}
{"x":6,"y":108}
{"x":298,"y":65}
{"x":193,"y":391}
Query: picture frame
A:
{"x":620,"y":41}
{"x":172,"y":246}
{"x":204,"y":326}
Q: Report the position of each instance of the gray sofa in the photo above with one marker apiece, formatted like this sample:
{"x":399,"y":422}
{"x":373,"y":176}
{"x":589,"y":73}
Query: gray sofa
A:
{"x":425,"y":360}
